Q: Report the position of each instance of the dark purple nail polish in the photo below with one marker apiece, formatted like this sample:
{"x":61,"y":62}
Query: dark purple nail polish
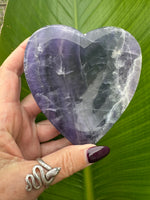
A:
{"x":96,"y":153}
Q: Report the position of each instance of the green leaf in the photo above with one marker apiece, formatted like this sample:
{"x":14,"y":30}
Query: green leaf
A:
{"x":125,"y":173}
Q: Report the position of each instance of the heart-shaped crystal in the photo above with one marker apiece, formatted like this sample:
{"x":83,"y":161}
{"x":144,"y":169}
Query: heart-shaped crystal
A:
{"x":82,"y":82}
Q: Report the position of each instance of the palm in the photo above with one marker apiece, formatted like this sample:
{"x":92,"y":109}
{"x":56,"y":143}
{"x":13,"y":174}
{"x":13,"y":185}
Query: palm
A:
{"x":26,"y":134}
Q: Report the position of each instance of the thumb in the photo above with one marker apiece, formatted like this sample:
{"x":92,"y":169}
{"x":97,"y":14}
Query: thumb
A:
{"x":70,"y":159}
{"x":74,"y":158}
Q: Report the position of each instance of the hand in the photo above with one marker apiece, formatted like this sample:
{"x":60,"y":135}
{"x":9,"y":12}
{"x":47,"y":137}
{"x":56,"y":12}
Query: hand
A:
{"x":21,"y":139}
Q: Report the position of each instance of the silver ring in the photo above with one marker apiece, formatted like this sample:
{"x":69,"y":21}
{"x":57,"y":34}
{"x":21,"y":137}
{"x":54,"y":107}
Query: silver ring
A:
{"x":40,"y":176}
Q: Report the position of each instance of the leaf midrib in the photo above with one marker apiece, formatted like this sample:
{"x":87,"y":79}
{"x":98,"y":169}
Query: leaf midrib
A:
{"x":89,"y":194}
{"x":75,"y":14}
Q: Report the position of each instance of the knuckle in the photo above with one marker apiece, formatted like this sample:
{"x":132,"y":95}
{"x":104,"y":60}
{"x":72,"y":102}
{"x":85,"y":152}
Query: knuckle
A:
{"x":68,"y":163}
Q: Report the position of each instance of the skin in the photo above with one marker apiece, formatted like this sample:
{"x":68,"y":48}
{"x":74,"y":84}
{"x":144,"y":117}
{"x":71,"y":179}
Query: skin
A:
{"x":21,"y":139}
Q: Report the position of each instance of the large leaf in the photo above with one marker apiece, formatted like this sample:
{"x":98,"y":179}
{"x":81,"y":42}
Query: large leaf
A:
{"x":125,"y":173}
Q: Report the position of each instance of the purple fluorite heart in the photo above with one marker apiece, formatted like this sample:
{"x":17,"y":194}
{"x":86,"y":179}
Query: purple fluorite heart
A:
{"x":82,"y":82}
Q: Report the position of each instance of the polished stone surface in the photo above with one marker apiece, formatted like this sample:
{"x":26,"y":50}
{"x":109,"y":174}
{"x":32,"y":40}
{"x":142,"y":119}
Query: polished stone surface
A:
{"x":82,"y":82}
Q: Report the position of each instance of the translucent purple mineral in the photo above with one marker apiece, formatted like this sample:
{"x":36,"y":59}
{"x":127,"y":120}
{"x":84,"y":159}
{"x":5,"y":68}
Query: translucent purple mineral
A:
{"x":82,"y":82}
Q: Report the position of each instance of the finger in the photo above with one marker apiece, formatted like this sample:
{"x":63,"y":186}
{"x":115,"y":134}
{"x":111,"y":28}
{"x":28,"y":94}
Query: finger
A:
{"x":14,"y":62}
{"x":10,"y":87}
{"x":74,"y":158}
{"x":52,"y":146}
{"x":46,"y":131}
{"x":30,"y":106}
{"x":10,"y":70}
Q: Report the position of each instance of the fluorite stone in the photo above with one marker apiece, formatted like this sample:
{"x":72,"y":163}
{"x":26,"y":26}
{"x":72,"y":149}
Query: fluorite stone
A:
{"x":82,"y":82}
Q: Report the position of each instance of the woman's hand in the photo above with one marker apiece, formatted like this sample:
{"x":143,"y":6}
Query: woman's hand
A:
{"x":22,"y":140}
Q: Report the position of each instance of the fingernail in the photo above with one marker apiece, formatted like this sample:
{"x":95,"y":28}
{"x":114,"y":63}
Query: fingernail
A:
{"x":96,"y":153}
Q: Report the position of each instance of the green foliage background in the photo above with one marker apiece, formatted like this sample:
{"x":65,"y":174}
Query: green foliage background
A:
{"x":125,"y":173}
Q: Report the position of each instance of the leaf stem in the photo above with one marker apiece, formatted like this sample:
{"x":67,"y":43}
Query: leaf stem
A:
{"x":89,"y":195}
{"x":75,"y":15}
